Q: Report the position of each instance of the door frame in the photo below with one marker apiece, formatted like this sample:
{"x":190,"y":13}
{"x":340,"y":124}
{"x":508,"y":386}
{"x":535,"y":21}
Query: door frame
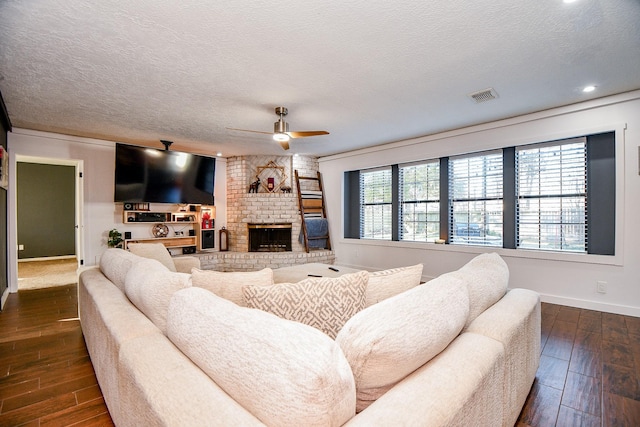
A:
{"x":12,"y":247}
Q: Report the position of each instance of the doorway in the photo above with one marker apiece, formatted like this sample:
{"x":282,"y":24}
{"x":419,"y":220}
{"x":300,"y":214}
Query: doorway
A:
{"x":48,"y":222}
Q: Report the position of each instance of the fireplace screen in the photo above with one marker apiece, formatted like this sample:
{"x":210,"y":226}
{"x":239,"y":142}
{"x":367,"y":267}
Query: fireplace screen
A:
{"x":270,"y":237}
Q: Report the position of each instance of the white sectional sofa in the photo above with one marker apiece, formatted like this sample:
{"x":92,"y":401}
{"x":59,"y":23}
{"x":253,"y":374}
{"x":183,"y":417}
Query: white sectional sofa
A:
{"x":459,"y":350}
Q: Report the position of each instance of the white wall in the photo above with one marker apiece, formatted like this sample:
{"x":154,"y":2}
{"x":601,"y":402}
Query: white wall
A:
{"x":559,"y":278}
{"x":100,"y":213}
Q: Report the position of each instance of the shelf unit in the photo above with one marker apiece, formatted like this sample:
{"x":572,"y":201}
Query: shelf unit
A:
{"x":150,"y":218}
{"x":205,"y":228}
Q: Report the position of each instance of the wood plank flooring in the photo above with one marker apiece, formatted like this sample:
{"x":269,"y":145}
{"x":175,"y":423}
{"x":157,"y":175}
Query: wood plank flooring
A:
{"x":46,"y":377}
{"x":589,"y":371}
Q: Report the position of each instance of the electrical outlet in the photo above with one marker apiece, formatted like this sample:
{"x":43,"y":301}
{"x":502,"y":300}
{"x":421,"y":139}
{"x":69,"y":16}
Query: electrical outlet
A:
{"x":21,"y":247}
{"x":601,"y":287}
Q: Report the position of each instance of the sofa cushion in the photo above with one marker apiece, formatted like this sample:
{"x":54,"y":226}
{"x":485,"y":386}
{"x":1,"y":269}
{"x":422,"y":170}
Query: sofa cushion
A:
{"x":149,"y":286}
{"x":324,"y":303}
{"x":156,"y":251}
{"x":285,"y":373}
{"x":115,"y":264}
{"x":387,"y":283}
{"x":389,"y":340}
{"x":228,"y":285}
{"x":486,"y":277}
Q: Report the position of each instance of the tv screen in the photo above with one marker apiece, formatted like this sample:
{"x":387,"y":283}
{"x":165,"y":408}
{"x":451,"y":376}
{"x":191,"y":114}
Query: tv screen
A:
{"x":160,"y":176}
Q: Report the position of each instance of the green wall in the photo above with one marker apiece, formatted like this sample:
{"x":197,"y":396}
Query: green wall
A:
{"x":46,"y":210}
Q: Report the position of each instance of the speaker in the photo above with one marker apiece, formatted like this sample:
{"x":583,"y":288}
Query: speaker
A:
{"x":127,"y":206}
{"x":208,"y":241}
{"x":192,"y":232}
{"x":127,"y":235}
{"x":189,"y":250}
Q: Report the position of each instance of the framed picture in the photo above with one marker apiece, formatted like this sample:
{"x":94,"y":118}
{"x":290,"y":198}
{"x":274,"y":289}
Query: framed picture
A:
{"x":4,"y":168}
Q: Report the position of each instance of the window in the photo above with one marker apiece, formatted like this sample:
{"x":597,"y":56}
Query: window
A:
{"x":376,"y":207}
{"x":551,"y":196}
{"x":475,"y":193}
{"x":544,"y":197}
{"x":420,"y":202}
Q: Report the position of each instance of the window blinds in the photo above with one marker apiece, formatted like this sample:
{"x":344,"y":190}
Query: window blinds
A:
{"x":475,"y":193}
{"x":551,"y":191}
{"x":376,"y":204}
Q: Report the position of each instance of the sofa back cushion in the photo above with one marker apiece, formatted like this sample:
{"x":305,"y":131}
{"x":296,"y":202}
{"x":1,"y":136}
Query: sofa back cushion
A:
{"x":149,"y":285}
{"x":115,"y":264}
{"x":228,"y":285}
{"x":486,"y":277}
{"x":322,"y":302}
{"x":387,"y":341}
{"x":387,"y":283}
{"x":283,"y":372}
{"x":156,"y":251}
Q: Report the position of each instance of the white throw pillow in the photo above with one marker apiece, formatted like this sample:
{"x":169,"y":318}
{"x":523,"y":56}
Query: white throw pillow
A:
{"x":387,"y":283}
{"x":115,"y":264}
{"x":322,"y":302}
{"x":283,"y":372}
{"x":156,"y":251}
{"x":228,"y":285}
{"x":149,"y":286}
{"x":486,"y":277}
{"x":387,"y":341}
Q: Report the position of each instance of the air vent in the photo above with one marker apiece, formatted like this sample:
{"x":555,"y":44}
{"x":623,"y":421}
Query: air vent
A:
{"x":484,"y":95}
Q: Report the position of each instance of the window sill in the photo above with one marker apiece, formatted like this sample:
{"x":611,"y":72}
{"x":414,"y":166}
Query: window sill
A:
{"x":615,"y":260}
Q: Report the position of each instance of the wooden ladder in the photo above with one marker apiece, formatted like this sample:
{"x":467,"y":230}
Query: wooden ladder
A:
{"x":312,"y":206}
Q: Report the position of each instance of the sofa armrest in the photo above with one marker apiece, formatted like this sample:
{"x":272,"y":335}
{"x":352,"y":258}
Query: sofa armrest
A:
{"x":458,"y":387}
{"x":515,"y":322}
{"x":184,"y":264}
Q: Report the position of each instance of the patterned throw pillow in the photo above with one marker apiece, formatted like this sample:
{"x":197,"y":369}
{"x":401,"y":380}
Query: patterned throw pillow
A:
{"x":324,"y":303}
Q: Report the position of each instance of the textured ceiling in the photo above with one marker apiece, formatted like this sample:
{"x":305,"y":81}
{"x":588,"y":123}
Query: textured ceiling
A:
{"x":367,"y":71}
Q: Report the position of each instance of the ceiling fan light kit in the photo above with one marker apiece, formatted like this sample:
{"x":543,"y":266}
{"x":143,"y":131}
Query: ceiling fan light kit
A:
{"x":281,"y":131}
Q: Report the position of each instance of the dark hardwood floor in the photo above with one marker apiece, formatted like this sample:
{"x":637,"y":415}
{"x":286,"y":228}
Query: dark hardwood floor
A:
{"x":46,"y":377}
{"x":589,"y":372}
{"x":589,"y":369}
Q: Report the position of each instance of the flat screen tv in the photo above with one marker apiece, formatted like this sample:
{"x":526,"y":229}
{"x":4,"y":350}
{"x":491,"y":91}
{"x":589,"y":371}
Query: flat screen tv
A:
{"x":147,"y":175}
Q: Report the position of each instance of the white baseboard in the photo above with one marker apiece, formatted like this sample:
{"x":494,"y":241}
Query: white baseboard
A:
{"x":591,"y":305}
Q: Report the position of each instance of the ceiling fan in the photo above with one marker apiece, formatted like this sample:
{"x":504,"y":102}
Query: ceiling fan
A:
{"x":281,"y":131}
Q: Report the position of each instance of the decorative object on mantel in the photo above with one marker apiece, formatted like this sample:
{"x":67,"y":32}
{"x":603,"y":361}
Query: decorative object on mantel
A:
{"x":224,"y":239}
{"x":273,"y":173}
{"x":285,"y":189}
{"x":253,"y":187}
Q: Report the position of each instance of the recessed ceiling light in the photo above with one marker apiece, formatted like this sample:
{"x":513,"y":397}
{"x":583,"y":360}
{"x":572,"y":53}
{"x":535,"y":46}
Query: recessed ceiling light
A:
{"x":219,"y":154}
{"x":588,"y":89}
{"x":569,"y":1}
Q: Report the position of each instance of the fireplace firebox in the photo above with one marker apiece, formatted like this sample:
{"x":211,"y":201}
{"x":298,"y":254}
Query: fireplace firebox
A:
{"x":270,"y":237}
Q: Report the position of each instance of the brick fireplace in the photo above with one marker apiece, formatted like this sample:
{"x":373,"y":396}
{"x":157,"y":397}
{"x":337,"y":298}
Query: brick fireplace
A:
{"x":263,"y":208}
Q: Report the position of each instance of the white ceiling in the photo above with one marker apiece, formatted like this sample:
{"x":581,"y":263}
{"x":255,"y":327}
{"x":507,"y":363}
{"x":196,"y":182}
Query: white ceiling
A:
{"x":367,"y":71}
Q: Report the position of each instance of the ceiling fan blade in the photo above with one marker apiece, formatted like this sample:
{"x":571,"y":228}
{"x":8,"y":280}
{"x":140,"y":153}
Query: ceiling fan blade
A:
{"x":304,"y":134}
{"x":253,"y":131}
{"x":284,"y":145}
